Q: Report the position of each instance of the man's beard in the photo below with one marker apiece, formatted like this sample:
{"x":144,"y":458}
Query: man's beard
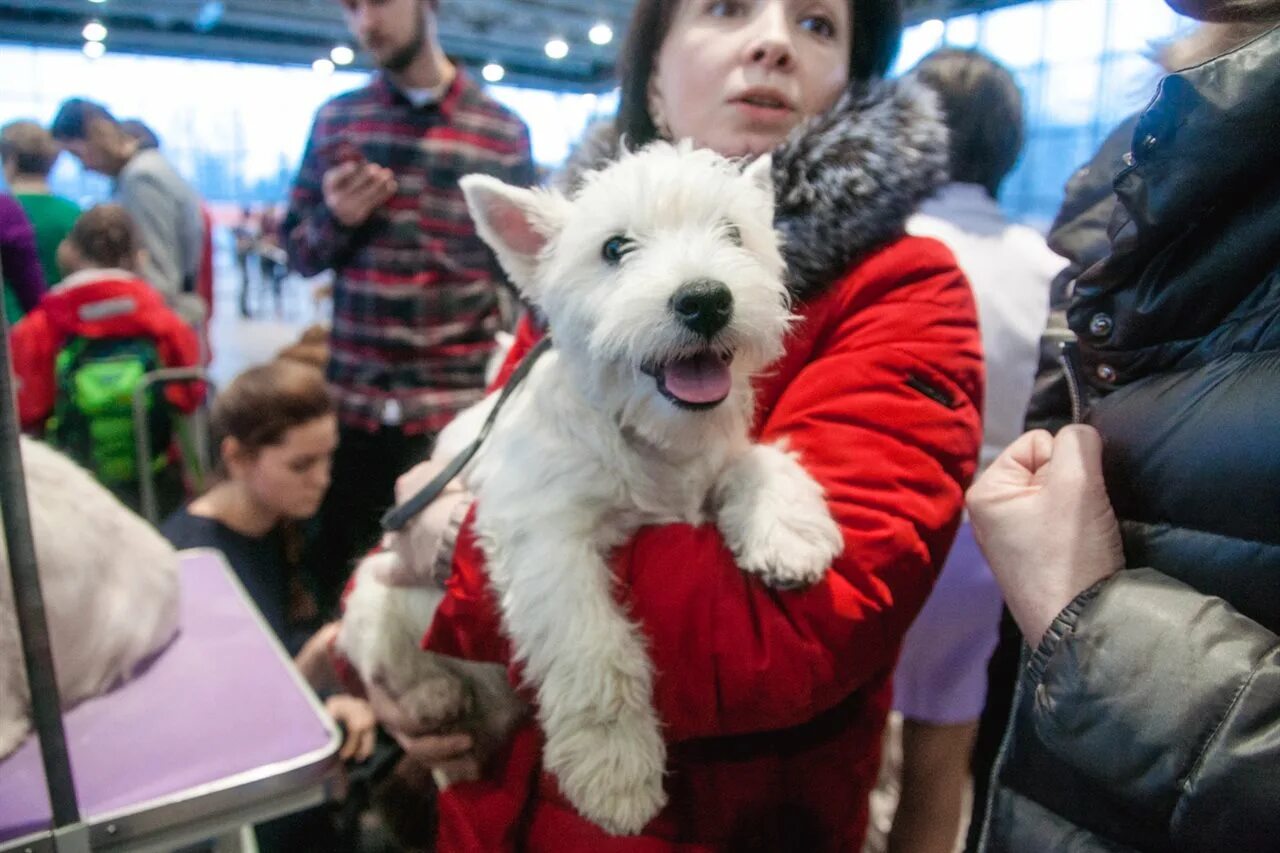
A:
{"x":404,"y":57}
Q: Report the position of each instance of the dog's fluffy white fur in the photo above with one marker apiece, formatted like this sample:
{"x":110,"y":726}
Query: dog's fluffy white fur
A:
{"x":594,"y":446}
{"x":384,"y":620}
{"x":109,"y":583}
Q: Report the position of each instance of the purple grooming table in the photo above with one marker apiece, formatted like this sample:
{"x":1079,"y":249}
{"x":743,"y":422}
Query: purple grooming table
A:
{"x":219,"y":731}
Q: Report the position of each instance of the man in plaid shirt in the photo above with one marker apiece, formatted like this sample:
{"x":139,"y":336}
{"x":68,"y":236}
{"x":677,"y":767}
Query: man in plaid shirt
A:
{"x":415,"y":291}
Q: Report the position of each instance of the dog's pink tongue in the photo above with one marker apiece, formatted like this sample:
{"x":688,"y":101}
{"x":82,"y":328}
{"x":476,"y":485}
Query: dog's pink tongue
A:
{"x":701,"y":378}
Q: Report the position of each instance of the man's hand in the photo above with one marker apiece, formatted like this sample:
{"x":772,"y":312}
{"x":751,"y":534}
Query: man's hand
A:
{"x":1043,"y":518}
{"x":353,"y":191}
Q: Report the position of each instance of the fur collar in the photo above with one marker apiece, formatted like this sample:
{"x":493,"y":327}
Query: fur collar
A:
{"x":845,"y":181}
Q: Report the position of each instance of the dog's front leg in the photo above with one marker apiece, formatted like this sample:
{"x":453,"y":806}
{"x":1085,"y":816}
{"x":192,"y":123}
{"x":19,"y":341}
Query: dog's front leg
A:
{"x":593,"y":676}
{"x":774,"y":519}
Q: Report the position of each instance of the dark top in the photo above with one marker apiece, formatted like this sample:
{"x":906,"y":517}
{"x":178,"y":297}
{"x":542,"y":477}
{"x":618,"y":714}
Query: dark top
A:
{"x":259,"y":562}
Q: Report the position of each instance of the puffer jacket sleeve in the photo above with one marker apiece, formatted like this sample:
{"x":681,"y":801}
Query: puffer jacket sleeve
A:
{"x":1196,"y":736}
{"x":885,"y":415}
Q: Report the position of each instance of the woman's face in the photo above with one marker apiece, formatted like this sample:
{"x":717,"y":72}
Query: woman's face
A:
{"x":736,"y":76}
{"x":290,"y":478}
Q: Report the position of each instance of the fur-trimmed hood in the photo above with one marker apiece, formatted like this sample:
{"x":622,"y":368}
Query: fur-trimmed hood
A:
{"x":845,"y":181}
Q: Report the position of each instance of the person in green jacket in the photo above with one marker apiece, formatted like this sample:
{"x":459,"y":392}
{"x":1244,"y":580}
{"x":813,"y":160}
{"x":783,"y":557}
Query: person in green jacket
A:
{"x":28,"y":152}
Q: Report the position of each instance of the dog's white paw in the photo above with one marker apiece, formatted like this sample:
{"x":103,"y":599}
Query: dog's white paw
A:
{"x":612,"y":771}
{"x":774,"y":519}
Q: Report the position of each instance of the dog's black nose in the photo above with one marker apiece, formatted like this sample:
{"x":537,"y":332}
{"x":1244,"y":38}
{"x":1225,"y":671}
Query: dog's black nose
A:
{"x":705,"y":306}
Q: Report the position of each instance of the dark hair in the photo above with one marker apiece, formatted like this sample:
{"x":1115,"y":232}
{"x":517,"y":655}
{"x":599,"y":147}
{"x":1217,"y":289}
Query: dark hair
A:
{"x":877,"y":30}
{"x":983,"y":108}
{"x":29,"y":147}
{"x":106,"y":237}
{"x":75,"y":115}
{"x":139,"y":130}
{"x":260,"y":405}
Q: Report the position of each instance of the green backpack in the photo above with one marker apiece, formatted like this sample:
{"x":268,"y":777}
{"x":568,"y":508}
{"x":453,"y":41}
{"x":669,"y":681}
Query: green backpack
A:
{"x":93,"y":410}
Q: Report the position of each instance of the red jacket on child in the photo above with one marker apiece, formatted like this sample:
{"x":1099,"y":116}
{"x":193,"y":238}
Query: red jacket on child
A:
{"x":96,"y":304}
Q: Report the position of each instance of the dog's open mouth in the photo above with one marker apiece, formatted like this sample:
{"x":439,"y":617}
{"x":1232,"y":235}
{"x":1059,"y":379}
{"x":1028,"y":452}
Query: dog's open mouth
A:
{"x":698,"y":381}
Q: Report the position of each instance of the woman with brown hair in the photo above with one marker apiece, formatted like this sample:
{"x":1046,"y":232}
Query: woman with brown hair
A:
{"x":275,"y":430}
{"x":772,"y":703}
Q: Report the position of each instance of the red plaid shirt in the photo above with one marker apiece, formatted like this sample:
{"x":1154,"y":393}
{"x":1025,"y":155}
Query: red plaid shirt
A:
{"x":415,"y":291}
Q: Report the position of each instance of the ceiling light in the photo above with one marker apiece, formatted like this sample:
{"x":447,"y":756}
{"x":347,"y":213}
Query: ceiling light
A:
{"x":94,"y":49}
{"x":493,"y":72}
{"x":557,"y":49}
{"x":97,"y":1}
{"x":94,"y":31}
{"x":342,"y":55}
{"x":209,"y":15}
{"x":601,"y":34}
{"x":322,"y":66}
{"x":933,"y":29}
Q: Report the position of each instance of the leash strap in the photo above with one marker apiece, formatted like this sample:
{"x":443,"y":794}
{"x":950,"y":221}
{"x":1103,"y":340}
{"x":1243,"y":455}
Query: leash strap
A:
{"x":398,"y":516}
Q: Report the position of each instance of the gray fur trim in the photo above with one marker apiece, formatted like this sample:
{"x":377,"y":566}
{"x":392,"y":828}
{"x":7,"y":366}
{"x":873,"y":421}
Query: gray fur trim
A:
{"x":846,"y":181}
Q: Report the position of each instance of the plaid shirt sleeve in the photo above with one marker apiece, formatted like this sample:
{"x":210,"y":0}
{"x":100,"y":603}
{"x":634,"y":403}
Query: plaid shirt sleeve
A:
{"x":313,"y":238}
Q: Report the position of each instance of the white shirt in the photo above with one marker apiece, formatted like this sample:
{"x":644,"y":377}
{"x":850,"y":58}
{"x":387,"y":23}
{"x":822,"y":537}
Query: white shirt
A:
{"x":1010,"y":269}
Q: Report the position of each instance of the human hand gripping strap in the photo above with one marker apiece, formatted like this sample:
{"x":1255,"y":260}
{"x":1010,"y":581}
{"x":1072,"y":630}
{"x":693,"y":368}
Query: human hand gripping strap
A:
{"x":397,"y":517}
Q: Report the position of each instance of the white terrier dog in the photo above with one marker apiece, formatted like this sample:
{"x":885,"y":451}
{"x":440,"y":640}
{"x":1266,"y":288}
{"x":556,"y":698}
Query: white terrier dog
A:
{"x":109,"y":582}
{"x":661,"y":282}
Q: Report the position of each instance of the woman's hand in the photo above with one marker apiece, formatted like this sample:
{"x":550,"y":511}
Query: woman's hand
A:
{"x":452,"y":755}
{"x":357,"y":717}
{"x":418,"y":545}
{"x":1043,"y":518}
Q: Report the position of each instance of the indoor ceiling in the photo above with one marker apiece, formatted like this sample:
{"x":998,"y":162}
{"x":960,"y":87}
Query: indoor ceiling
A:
{"x":510,"y":32}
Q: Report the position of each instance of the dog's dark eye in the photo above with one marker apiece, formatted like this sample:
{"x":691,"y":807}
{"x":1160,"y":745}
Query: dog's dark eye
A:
{"x":614,"y":248}
{"x":731,"y":231}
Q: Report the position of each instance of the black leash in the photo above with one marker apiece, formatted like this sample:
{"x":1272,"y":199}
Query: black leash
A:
{"x":398,"y":516}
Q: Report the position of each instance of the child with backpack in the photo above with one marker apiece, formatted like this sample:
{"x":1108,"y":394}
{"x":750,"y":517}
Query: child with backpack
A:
{"x":81,"y":353}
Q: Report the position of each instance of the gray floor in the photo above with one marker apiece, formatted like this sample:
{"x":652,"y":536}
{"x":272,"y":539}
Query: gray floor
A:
{"x":238,"y":342}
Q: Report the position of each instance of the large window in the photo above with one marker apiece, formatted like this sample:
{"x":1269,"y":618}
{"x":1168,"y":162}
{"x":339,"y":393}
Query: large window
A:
{"x":1083,"y":65}
{"x":235,"y":146}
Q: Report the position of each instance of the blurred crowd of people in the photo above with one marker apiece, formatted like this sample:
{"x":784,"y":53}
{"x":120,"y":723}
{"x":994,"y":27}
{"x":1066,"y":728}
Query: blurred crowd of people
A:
{"x":1085,"y":660}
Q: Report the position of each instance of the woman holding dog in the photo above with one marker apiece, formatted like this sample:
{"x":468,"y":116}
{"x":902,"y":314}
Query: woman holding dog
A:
{"x":773,"y":703}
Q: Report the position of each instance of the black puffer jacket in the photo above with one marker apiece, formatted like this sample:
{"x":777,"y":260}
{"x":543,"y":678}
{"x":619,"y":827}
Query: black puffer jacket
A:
{"x":1149,"y":717}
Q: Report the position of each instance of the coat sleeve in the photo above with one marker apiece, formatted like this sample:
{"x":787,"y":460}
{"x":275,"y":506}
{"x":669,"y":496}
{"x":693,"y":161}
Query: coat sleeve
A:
{"x":19,"y":260}
{"x":33,"y":343}
{"x":314,"y":240}
{"x":1208,"y":707}
{"x":886,"y":416}
{"x":179,"y":346}
{"x":153,"y":209}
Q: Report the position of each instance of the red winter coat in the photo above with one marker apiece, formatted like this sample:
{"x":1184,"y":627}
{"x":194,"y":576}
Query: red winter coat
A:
{"x":133,"y":310}
{"x":773,"y":703}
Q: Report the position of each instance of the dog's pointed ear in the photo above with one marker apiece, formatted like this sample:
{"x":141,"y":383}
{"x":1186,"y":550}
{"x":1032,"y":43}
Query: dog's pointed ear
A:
{"x":516,"y":223}
{"x":760,"y":172}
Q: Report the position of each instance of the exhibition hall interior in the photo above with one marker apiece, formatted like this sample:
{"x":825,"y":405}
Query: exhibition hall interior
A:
{"x":639,"y":425}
